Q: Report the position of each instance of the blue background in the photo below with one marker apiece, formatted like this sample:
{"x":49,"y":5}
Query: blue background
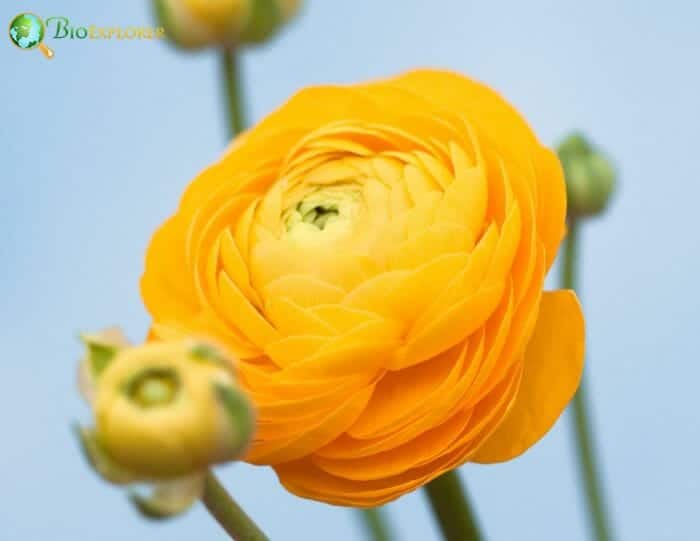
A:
{"x":97,"y":145}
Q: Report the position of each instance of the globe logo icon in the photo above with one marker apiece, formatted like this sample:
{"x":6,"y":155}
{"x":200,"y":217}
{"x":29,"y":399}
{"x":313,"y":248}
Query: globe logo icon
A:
{"x":27,"y":32}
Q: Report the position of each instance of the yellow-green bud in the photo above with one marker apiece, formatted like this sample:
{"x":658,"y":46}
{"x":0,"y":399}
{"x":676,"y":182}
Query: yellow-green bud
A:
{"x":165,"y":412}
{"x":223,"y":23}
{"x":590,"y":176}
{"x":168,"y":409}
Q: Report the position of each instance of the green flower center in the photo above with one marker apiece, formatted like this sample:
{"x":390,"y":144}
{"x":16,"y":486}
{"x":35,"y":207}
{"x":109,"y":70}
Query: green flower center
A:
{"x":328,"y":211}
{"x":154,"y":387}
{"x":318,"y":215}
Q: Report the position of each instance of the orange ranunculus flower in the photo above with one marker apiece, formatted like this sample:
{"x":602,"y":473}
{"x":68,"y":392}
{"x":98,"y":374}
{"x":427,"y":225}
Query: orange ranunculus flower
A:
{"x":375,"y":255}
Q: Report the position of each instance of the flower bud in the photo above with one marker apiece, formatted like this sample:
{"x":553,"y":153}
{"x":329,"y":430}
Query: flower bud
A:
{"x":590,"y":176}
{"x":165,"y":412}
{"x":223,"y":23}
{"x":168,"y":409}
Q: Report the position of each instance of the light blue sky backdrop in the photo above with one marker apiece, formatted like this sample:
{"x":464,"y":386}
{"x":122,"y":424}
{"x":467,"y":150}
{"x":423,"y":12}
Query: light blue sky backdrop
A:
{"x":96,"y":146}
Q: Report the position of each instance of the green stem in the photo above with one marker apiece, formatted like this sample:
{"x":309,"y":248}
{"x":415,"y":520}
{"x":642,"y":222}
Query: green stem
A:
{"x":228,"y":513}
{"x":375,"y":524}
{"x":451,"y":508}
{"x":233,"y":89}
{"x":583,"y":429}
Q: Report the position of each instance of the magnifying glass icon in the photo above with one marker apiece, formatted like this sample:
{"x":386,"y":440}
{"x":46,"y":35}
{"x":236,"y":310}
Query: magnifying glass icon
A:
{"x":27,"y":32}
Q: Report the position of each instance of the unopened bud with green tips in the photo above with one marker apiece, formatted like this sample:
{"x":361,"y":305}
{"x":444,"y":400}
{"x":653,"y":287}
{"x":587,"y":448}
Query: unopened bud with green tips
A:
{"x":590,"y":176}
{"x":165,"y":412}
{"x":167,"y":409}
{"x":223,"y":23}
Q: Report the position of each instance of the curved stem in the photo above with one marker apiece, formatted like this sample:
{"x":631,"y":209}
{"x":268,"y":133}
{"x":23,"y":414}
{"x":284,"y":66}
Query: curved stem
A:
{"x":375,"y":524}
{"x":583,"y":429}
{"x":233,"y":91}
{"x":228,"y":513}
{"x":451,"y":508}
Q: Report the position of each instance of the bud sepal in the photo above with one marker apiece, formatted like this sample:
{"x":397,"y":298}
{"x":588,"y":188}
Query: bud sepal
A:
{"x":100,"y":349}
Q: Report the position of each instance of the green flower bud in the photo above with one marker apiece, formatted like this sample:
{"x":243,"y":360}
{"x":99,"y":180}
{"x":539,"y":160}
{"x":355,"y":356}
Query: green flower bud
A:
{"x":590,"y":176}
{"x":223,"y":23}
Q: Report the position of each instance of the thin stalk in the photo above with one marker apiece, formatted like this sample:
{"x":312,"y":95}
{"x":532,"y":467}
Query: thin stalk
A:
{"x":450,"y":505}
{"x":233,"y":91}
{"x":235,"y":522}
{"x":232,"y":518}
{"x":375,"y":524}
{"x":588,"y":469}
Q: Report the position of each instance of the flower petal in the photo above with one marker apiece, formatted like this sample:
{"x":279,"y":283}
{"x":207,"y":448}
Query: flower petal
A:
{"x":553,"y":365}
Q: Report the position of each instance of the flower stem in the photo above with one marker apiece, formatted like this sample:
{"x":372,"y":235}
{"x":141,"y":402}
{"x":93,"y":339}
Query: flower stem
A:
{"x":228,"y":513}
{"x":233,"y":90}
{"x":375,"y":524}
{"x":451,"y":508}
{"x":583,"y":430}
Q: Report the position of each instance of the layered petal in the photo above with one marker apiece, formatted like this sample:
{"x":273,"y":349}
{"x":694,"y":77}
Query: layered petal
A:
{"x":552,"y":367}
